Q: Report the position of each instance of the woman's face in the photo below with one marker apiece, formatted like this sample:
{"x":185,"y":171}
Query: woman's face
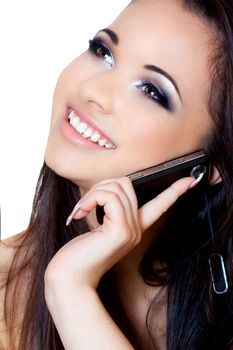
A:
{"x":140,"y":92}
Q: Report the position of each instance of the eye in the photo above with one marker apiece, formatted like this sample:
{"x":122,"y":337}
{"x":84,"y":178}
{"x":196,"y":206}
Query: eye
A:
{"x":151,"y":91}
{"x":101,"y":51}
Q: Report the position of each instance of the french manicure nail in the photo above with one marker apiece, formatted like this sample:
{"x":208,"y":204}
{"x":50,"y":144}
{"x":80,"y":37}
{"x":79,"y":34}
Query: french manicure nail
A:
{"x":76,"y":208}
{"x":194,"y":183}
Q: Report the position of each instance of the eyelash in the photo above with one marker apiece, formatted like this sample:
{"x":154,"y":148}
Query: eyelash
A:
{"x":97,"y":48}
{"x":95,"y":45}
{"x":152,"y":92}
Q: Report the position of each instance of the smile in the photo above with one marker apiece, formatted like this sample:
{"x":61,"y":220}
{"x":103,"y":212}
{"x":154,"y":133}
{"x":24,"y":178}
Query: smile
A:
{"x":88,"y":132}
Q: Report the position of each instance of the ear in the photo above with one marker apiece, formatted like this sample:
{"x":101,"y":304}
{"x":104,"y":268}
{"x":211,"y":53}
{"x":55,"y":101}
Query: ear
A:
{"x":215,"y":177}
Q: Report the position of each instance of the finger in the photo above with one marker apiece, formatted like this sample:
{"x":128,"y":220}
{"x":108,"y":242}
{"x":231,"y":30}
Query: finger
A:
{"x":113,"y":204}
{"x":78,"y":211}
{"x":151,"y":211}
{"x":115,"y":187}
{"x":130,"y":204}
{"x":126,"y":185}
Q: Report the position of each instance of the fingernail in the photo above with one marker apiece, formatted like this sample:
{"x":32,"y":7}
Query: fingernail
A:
{"x":194,"y":183}
{"x":74,"y":211}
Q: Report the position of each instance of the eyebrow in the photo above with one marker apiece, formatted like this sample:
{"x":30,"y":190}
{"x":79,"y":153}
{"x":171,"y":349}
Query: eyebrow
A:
{"x":113,"y":36}
{"x":115,"y":39}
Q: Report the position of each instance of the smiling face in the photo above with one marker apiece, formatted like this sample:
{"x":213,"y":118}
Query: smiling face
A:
{"x":141,"y":89}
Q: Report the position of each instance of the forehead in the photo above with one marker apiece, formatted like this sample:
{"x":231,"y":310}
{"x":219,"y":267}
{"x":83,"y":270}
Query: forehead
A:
{"x":163,"y":33}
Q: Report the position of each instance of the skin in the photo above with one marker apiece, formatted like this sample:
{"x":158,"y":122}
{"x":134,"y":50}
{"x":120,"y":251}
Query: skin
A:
{"x":145,"y":134}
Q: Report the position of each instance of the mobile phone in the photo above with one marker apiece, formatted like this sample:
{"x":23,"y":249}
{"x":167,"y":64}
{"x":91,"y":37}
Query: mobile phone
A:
{"x":149,"y":182}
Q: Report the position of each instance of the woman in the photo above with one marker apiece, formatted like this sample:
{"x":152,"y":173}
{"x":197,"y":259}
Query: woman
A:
{"x":148,"y":89}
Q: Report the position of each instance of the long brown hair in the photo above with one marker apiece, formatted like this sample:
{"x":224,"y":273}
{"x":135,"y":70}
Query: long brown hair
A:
{"x":196,"y":318}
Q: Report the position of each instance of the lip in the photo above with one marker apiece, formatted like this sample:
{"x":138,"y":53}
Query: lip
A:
{"x":71,"y":135}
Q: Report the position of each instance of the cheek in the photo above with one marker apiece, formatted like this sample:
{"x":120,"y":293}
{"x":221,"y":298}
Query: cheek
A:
{"x":153,"y":142}
{"x":71,"y":78}
{"x":67,"y":88}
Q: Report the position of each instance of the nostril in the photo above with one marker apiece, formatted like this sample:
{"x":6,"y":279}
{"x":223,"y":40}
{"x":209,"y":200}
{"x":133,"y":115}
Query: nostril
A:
{"x":98,"y":106}
{"x":94,"y":103}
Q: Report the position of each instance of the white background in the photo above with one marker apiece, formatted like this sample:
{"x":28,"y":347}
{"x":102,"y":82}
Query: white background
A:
{"x":37,"y":40}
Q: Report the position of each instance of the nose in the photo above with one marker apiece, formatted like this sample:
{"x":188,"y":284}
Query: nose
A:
{"x":100,"y":92}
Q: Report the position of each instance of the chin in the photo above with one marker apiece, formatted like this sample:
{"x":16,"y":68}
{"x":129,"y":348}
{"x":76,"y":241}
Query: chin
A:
{"x":83,"y":167}
{"x":54,"y":164}
{"x":69,"y":167}
{"x":58,"y":161}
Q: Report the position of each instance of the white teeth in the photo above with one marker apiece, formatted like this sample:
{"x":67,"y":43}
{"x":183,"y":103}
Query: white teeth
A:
{"x":102,"y":142}
{"x":75,"y":121}
{"x":95,"y":137}
{"x":81,"y":127}
{"x":88,"y":132}
{"x":72,"y":115}
{"x":109,"y":145}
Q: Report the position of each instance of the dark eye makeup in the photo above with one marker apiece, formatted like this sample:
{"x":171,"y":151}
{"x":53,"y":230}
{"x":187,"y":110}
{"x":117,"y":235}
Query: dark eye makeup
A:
{"x":98,"y":48}
{"x":155,"y":93}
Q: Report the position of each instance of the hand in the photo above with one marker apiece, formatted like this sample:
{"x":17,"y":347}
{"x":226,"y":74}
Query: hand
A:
{"x":85,"y":259}
{"x":74,"y":273}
